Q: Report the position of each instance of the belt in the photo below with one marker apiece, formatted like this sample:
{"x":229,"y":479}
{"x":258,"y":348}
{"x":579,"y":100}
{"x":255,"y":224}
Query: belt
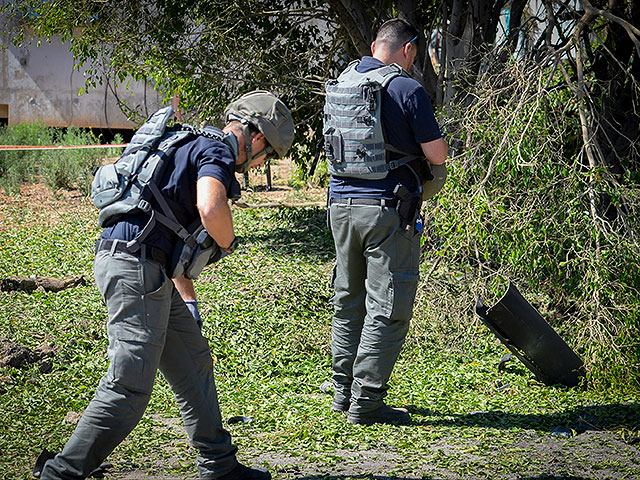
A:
{"x":365,"y":201}
{"x":114,"y":245}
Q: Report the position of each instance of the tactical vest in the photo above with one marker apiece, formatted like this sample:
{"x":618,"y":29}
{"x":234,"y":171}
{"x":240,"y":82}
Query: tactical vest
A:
{"x":131,"y":184}
{"x":353,"y":135}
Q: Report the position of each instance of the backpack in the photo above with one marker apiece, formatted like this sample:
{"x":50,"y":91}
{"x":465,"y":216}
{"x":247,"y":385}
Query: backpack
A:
{"x":353,"y":136}
{"x":131,"y":183}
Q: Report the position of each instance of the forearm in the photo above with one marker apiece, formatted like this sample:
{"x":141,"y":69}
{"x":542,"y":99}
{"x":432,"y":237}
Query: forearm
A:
{"x":436,"y":151}
{"x":219,"y":225}
{"x":215,"y":212}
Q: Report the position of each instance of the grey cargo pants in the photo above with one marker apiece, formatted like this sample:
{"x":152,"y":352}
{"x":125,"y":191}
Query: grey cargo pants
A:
{"x":149,"y":328}
{"x":375,"y":281}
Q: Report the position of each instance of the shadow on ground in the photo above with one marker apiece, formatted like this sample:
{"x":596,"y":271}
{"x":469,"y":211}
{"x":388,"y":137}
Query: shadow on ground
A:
{"x":300,"y":231}
{"x":581,"y":419}
{"x":379,"y":477}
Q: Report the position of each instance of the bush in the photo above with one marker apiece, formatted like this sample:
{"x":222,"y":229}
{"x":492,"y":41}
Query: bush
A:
{"x":68,"y":168}
{"x":18,"y":167}
{"x":71,"y":169}
{"x":522,"y":204}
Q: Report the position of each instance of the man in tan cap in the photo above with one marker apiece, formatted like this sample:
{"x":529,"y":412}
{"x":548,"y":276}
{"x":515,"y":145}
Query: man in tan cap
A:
{"x":151,"y":323}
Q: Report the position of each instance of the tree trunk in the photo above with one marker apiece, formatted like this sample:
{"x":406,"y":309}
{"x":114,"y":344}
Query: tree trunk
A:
{"x":353,"y":17}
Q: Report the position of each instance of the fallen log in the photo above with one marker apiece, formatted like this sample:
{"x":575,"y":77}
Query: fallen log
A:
{"x":46,"y":284}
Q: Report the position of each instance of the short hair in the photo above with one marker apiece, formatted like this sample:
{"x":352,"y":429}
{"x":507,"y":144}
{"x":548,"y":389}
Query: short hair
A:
{"x":394,"y":33}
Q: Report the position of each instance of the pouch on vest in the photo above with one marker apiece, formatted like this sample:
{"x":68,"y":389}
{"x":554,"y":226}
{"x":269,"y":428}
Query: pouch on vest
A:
{"x":194,"y":253}
{"x":333,"y":145}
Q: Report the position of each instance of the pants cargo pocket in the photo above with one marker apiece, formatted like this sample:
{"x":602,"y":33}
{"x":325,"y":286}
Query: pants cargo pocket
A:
{"x":135,"y":356}
{"x":403,"y":287}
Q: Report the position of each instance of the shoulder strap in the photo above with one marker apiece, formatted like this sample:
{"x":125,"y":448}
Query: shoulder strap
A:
{"x":150,"y":131}
{"x":384,"y":75}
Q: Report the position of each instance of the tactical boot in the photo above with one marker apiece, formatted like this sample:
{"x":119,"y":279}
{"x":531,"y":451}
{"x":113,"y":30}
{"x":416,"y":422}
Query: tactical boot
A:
{"x":382,"y":414}
{"x":240,"y":472}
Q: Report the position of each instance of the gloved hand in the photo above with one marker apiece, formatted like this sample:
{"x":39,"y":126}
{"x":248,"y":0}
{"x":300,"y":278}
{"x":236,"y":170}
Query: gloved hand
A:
{"x":192,"y":305}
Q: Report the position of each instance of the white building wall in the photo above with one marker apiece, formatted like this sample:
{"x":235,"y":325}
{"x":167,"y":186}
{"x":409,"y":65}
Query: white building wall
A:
{"x":39,"y":83}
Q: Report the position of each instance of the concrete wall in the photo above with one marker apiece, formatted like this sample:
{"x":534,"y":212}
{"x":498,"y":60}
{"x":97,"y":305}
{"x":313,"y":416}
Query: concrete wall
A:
{"x":39,"y":83}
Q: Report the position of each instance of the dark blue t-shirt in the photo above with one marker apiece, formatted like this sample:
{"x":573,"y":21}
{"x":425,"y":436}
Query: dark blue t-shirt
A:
{"x":200,"y":157}
{"x":407,"y":121}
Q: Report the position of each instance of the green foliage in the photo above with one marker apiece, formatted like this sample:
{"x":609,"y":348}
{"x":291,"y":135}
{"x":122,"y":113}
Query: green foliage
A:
{"x":17,"y":167}
{"x":70,"y":169}
{"x":64,"y":168}
{"x":267,"y":319}
{"x":520,"y":204}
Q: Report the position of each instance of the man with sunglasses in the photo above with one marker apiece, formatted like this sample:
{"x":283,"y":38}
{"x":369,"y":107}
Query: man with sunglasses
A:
{"x":373,"y":219}
{"x":154,"y":322}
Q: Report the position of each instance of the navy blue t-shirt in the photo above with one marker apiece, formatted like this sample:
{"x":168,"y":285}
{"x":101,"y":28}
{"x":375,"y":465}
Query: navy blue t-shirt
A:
{"x":407,"y":121}
{"x":197,"y":158}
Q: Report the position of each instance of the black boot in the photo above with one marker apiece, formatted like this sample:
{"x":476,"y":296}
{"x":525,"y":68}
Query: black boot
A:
{"x":240,"y":472}
{"x":382,"y":414}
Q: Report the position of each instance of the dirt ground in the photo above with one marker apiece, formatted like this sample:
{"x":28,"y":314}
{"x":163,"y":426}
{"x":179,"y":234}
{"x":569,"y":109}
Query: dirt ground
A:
{"x":592,"y":454}
{"x":45,"y":206}
{"x":545,"y":456}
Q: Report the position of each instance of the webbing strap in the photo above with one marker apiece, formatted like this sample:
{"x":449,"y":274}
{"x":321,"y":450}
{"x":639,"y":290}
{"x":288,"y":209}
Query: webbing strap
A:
{"x":402,"y":161}
{"x":368,"y":169}
{"x":169,"y":220}
{"x":342,"y":113}
{"x":355,"y":158}
{"x":357,"y":122}
{"x":161,"y":201}
{"x":338,"y":100}
{"x":344,"y":90}
{"x":357,"y":134}
{"x":135,"y":244}
{"x":350,"y":147}
{"x":177,"y":228}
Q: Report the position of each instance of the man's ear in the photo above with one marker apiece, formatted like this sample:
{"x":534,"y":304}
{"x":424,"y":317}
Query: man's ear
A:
{"x":405,"y":49}
{"x":373,"y":47}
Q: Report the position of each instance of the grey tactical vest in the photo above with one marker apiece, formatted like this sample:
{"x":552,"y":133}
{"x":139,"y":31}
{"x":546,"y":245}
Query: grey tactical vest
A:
{"x":353,"y":136}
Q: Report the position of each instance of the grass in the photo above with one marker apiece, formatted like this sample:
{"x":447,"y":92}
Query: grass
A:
{"x":267,"y":319}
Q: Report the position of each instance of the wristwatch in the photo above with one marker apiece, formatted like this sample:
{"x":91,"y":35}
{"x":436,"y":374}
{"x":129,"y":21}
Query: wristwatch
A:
{"x":231,"y":248}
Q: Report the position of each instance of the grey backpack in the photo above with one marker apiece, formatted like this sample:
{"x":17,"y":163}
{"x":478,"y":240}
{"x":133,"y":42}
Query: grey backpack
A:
{"x":353,"y":136}
{"x":131,"y":183}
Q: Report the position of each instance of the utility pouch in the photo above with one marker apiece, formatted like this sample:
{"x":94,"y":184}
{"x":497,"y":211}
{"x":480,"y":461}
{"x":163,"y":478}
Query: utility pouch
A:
{"x":333,"y":145}
{"x":107,"y":186}
{"x":194,"y":253}
{"x":409,"y":204}
{"x":433,"y":184}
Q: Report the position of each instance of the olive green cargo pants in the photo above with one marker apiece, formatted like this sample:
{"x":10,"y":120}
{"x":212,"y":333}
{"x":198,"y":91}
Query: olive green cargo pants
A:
{"x":375,"y":280}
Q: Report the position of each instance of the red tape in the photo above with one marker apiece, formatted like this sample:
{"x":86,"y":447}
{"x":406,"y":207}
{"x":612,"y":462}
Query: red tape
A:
{"x":58,"y":147}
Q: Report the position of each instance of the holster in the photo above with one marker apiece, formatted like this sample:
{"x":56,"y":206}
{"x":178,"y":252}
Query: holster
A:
{"x":409,"y":204}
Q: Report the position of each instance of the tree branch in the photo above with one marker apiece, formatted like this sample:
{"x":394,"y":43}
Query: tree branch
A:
{"x":632,"y":31}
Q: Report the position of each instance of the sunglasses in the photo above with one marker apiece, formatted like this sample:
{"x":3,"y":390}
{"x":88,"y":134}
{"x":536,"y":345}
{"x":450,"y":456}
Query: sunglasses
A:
{"x":412,"y":40}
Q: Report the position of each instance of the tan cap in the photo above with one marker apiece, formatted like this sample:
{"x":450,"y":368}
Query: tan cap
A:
{"x":268,"y":114}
